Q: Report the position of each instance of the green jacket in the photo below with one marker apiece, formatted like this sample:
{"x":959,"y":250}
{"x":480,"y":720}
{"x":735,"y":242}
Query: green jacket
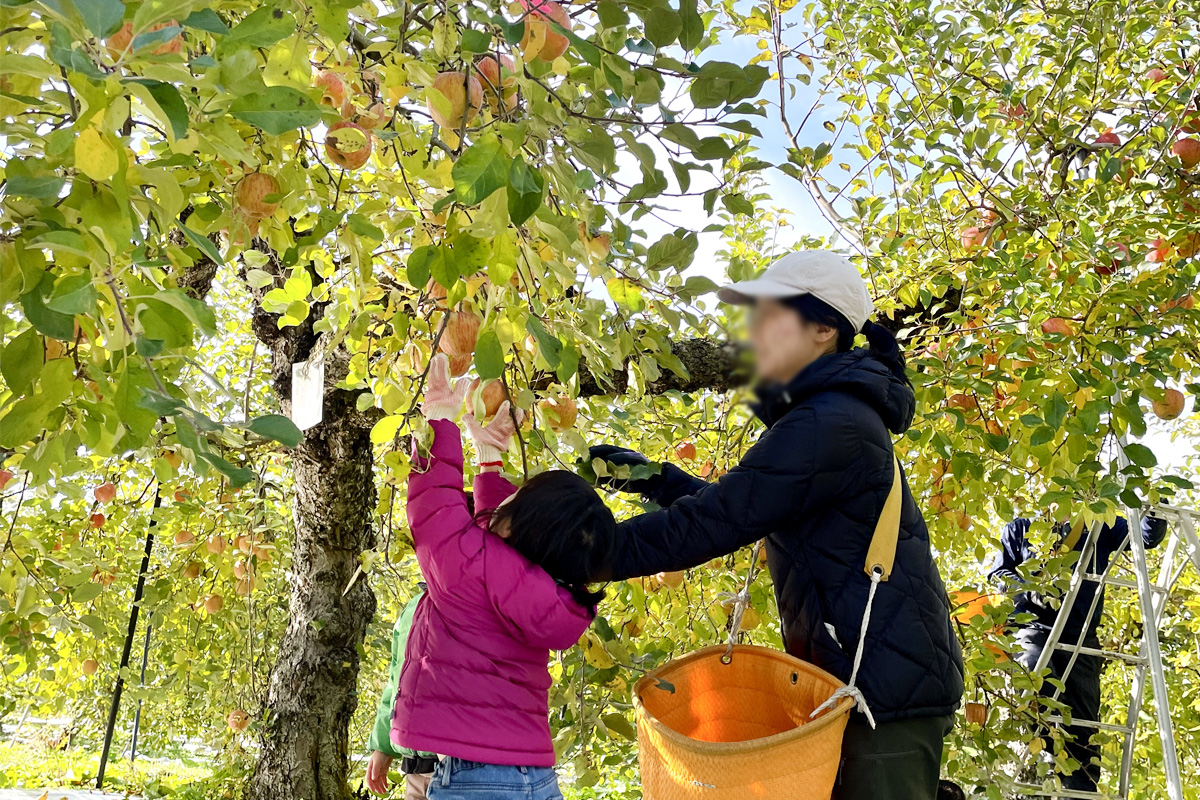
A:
{"x":381,"y":733}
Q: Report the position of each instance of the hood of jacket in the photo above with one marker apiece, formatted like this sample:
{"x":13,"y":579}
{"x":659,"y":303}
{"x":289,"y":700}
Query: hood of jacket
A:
{"x":857,"y":372}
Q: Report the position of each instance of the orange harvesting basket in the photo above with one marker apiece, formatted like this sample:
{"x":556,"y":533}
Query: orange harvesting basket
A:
{"x":730,"y":731}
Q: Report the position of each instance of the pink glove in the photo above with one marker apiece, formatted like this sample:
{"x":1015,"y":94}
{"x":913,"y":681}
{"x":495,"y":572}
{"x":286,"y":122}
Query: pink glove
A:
{"x":443,"y":400}
{"x":491,"y":441}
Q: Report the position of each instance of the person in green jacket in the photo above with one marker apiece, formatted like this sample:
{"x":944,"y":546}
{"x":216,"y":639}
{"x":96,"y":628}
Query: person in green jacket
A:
{"x":417,"y":767}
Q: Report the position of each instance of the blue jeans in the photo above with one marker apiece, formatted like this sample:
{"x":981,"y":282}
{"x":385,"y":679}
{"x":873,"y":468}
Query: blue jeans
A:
{"x":458,"y":779}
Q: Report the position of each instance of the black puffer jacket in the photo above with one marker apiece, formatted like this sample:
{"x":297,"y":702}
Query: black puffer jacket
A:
{"x":814,"y":486}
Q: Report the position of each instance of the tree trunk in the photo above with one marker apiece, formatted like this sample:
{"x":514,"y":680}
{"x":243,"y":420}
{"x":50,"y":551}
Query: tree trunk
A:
{"x":313,"y":689}
{"x":313,"y":693}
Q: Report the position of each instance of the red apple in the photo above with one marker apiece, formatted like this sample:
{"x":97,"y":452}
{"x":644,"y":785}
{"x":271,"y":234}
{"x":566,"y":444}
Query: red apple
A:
{"x":1161,"y":251}
{"x":977,"y":714}
{"x":460,"y":364}
{"x":237,"y":720}
{"x":974,"y":237}
{"x":97,"y":520}
{"x":1013,"y":111}
{"x":333,"y":88}
{"x":1188,"y":151}
{"x":966,"y":402}
{"x":348,"y":144}
{"x":105,"y":492}
{"x":465,"y":94}
{"x":118,"y":44}
{"x":1118,"y":257}
{"x":5,"y":476}
{"x":1171,"y":406}
{"x":499,"y":81}
{"x":493,"y":396}
{"x":541,"y":41}
{"x":1108,"y":139}
{"x":462,"y":329}
{"x":560,"y":412}
{"x":1156,"y":75}
{"x":214,"y":603}
{"x":685,"y":451}
{"x":215,"y":545}
{"x":90,"y":666}
{"x":374,"y":117}
{"x":252,"y":192}
{"x":192,"y":570}
{"x":184,"y":536}
{"x":1059,"y":326}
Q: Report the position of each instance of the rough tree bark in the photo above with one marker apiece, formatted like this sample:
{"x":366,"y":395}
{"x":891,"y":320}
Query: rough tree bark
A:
{"x":312,"y":693}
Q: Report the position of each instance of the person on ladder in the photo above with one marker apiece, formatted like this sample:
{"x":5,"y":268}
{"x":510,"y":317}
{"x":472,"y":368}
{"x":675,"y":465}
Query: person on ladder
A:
{"x":814,"y":486}
{"x":1038,"y":612}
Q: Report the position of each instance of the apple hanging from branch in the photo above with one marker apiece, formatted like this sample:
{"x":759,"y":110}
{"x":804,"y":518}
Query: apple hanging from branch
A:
{"x":499,"y":76}
{"x":1171,"y":406}
{"x":460,"y":335}
{"x":250,"y":195}
{"x":541,"y":41}
{"x":454,"y":99}
{"x":348,"y":144}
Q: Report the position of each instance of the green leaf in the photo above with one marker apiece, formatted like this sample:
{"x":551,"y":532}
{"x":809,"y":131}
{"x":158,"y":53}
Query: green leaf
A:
{"x":262,"y":28}
{"x":525,"y":188}
{"x":21,"y":361}
{"x":363,"y":227}
{"x":207,"y":20}
{"x":444,"y":267}
{"x":489,"y":356}
{"x":549,"y":346}
{"x":62,"y":51}
{"x":626,"y":294}
{"x":73,"y":294}
{"x":671,"y":251}
{"x":102,"y":17}
{"x":481,"y":170}
{"x":720,"y":82}
{"x":612,"y":14}
{"x":692,"y":32}
{"x":50,"y":323}
{"x":1056,"y":410}
{"x":1041,"y":435}
{"x":277,"y":110}
{"x":1140,"y":455}
{"x":663,"y":25}
{"x":203,"y":244}
{"x":238,"y":476}
{"x":418,"y":267}
{"x":153,"y":39}
{"x":476,"y":41}
{"x":171,"y":103}
{"x":277,"y":427}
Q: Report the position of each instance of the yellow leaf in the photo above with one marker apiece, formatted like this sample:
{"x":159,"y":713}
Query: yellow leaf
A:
{"x":95,"y":156}
{"x":594,"y":652}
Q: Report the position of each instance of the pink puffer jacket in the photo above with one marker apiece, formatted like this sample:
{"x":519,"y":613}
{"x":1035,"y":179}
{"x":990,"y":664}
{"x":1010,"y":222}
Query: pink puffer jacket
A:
{"x":475,"y":683}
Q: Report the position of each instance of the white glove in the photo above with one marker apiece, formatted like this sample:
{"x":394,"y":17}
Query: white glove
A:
{"x":491,"y":441}
{"x":443,"y":400}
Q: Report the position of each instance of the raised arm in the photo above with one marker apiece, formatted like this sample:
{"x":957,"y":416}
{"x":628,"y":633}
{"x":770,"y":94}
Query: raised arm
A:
{"x":492,"y":488}
{"x":1013,"y":547}
{"x":437,"y":508}
{"x":771,"y":485}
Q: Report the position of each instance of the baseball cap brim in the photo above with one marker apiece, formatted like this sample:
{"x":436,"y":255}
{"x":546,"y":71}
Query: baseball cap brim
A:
{"x":745,"y":293}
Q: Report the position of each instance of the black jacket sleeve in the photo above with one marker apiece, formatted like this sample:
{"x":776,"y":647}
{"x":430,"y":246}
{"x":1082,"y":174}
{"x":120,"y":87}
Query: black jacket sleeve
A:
{"x":1154,"y":530}
{"x":675,"y":484}
{"x":765,"y":492}
{"x":1004,"y":573}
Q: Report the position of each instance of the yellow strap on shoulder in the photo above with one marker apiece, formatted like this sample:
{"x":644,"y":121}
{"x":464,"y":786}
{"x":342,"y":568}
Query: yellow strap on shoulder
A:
{"x":1068,"y":544}
{"x":881,"y":556}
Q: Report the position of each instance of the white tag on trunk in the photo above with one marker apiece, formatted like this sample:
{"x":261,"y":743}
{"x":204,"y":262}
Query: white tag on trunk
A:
{"x":308,"y":392}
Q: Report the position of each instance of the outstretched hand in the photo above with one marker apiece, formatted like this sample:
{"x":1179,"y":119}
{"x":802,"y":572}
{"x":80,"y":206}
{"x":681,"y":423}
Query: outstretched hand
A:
{"x":443,"y":400}
{"x":492,"y":440}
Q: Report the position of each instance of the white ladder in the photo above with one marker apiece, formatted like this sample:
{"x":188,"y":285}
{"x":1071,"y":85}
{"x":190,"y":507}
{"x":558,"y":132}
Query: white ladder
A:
{"x":1179,"y":549}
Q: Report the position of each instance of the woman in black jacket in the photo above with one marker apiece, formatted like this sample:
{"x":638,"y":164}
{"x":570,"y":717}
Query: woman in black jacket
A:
{"x":813,"y":486}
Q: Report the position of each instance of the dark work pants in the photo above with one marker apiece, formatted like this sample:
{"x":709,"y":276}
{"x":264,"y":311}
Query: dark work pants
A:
{"x":895,"y":761}
{"x":1081,"y":693}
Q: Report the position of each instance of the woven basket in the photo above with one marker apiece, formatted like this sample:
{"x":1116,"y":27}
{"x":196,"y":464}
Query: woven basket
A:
{"x":738,"y":730}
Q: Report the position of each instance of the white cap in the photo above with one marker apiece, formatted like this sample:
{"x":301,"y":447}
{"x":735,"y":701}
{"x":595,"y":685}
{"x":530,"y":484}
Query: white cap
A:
{"x":824,"y":274}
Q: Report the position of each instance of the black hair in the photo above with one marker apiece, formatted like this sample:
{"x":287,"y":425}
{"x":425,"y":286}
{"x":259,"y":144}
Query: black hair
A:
{"x":882,"y":342}
{"x":559,"y":522}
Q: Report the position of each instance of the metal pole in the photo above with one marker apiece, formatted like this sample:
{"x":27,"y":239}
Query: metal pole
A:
{"x":1068,"y":601}
{"x":133,"y":618}
{"x":1151,"y":644}
{"x":137,"y":715}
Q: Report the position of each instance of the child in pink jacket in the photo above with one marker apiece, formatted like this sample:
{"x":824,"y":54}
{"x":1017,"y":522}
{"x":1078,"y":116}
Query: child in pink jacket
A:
{"x":506,"y":585}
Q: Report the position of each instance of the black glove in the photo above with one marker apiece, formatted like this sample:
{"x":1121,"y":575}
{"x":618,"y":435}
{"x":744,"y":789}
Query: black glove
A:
{"x":641,"y":481}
